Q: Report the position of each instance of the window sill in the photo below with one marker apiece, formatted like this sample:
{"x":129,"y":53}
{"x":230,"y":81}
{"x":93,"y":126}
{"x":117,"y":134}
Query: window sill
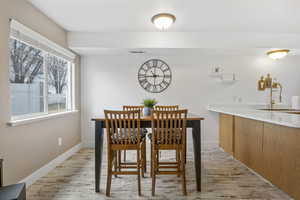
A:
{"x":30,"y":120}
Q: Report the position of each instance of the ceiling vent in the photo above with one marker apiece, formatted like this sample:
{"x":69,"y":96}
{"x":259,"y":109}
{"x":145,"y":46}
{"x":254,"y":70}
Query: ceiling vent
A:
{"x":137,"y":52}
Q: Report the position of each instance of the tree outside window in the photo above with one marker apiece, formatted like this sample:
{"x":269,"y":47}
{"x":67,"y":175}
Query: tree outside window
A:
{"x":58,"y":83}
{"x":26,"y":78}
{"x":37,"y":77}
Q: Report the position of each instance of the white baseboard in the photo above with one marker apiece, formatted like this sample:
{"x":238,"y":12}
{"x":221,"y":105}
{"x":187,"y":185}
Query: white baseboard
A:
{"x":89,"y":144}
{"x":29,"y":180}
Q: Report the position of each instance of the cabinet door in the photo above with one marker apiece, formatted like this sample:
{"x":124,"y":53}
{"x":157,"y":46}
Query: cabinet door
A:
{"x":226,"y":133}
{"x":281,"y":150}
{"x":248,"y":143}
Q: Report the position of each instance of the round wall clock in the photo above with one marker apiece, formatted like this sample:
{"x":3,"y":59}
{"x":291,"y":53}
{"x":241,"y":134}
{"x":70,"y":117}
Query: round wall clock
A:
{"x":155,"y":75}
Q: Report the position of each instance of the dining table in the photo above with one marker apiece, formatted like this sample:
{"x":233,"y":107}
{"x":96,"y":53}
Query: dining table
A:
{"x":193,"y":122}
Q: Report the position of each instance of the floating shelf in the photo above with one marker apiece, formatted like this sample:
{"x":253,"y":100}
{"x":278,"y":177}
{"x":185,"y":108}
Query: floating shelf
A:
{"x":224,"y":77}
{"x":228,"y":77}
{"x":228,"y":81}
{"x":216,"y":74}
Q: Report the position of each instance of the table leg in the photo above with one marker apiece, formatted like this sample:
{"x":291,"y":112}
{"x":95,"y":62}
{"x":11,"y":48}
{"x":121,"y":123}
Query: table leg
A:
{"x":197,"y":152}
{"x":98,"y":152}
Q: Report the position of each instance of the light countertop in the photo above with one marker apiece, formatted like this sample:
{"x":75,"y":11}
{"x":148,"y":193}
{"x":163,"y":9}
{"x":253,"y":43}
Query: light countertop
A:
{"x":253,"y":112}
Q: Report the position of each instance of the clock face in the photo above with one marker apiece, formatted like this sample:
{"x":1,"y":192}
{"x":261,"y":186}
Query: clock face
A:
{"x":155,"y":76}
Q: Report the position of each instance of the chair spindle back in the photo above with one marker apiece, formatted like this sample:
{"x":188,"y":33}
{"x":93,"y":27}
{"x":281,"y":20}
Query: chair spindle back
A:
{"x":123,"y":127}
{"x":166,"y":108}
{"x":169,"y":127}
{"x":132,"y":108}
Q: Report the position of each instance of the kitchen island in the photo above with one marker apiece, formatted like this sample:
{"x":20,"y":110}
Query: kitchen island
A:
{"x":267,"y":142}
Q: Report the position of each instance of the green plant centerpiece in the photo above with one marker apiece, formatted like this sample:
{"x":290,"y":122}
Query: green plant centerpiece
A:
{"x":148,"y":106}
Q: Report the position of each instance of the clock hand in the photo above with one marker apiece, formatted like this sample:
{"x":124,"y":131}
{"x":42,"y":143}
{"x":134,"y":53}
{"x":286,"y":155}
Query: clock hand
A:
{"x":153,"y":76}
{"x":162,"y":76}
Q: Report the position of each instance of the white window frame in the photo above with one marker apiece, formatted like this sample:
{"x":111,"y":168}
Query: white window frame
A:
{"x":29,"y":118}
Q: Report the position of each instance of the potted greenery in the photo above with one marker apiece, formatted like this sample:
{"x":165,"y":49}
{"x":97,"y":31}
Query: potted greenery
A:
{"x":148,"y":106}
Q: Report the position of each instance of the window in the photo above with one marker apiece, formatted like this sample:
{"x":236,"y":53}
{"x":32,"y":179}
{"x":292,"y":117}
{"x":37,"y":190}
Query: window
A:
{"x":26,"y":78}
{"x":40,"y":74}
{"x":58,"y":78}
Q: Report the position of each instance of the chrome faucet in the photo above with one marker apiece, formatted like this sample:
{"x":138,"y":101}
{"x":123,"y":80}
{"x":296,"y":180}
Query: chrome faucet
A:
{"x":269,"y":83}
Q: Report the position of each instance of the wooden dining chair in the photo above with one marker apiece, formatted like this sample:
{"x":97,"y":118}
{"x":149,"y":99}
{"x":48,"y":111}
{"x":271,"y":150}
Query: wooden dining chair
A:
{"x":168,"y":133}
{"x":123,"y":133}
{"x":143,"y":134}
{"x":166,"y":108}
{"x":131,"y":108}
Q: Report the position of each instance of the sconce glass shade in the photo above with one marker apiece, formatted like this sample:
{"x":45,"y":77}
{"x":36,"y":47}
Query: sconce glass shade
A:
{"x":278,"y":54}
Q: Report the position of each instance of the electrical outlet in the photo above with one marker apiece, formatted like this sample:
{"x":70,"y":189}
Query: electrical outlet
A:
{"x":59,"y":141}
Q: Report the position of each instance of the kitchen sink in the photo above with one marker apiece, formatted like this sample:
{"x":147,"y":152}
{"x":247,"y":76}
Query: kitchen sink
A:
{"x":297,"y":113}
{"x":283,"y":110}
{"x":279,"y":109}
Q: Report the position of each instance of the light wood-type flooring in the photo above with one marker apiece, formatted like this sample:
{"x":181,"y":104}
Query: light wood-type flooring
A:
{"x":222,"y":178}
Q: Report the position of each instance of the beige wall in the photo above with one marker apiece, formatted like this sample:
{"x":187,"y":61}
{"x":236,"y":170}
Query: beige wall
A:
{"x":28,"y":147}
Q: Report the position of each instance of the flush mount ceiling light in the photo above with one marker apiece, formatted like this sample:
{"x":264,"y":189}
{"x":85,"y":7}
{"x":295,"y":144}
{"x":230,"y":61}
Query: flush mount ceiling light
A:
{"x":163,"y":21}
{"x":278,"y":54}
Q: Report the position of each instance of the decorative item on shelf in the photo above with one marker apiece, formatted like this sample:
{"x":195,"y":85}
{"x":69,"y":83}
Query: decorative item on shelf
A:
{"x":216,"y":72}
{"x":148,"y":106}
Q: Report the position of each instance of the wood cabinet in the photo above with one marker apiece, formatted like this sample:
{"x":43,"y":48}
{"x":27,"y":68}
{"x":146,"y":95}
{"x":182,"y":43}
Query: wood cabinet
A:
{"x":249,"y":143}
{"x":273,"y":151}
{"x":226,"y":133}
{"x":281,"y":153}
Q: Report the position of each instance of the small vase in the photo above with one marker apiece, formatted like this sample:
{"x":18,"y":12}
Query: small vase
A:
{"x":147,"y":111}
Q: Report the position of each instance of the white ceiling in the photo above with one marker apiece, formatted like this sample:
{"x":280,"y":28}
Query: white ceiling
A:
{"x":276,"y":16}
{"x":173,"y":51}
{"x":154,"y":52}
{"x":206,"y":27}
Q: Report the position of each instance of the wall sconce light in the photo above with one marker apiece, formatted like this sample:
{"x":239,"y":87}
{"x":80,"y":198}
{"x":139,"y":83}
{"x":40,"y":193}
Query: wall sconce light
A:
{"x":278,"y":54}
